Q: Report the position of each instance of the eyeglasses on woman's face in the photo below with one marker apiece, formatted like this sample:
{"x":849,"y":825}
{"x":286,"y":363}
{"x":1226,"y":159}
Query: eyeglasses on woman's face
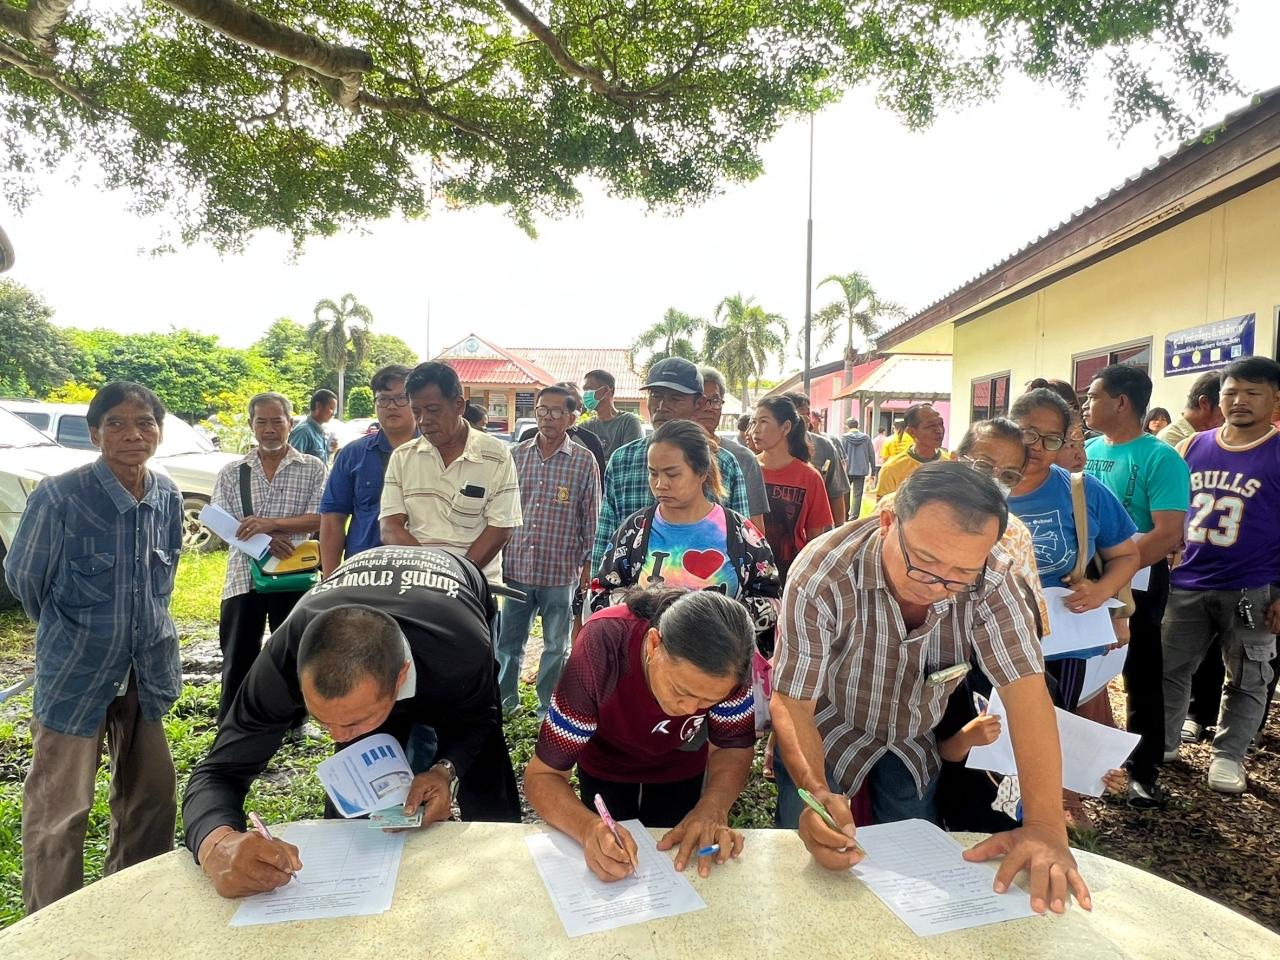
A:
{"x":1050,"y":441}
{"x":1008,"y":476}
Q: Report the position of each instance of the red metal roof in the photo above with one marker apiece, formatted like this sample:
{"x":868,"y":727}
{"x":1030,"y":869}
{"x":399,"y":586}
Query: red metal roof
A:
{"x":570,"y":363}
{"x":492,"y":371}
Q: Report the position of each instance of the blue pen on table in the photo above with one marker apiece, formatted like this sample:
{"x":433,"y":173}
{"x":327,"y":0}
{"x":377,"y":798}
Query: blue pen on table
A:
{"x":612,"y":824}
{"x":709,"y":851}
{"x":263,"y":832}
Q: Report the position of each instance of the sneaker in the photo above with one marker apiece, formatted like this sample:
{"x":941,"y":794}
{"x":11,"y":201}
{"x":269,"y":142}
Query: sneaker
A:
{"x":1191,"y":731}
{"x":303,"y":733}
{"x":1227,"y":776}
{"x":1144,"y":796}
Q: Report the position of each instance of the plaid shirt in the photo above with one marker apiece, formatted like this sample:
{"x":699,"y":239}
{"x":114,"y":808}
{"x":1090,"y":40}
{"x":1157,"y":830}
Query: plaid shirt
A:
{"x":94,"y":569}
{"x":842,"y":642}
{"x":560,"y":502}
{"x":626,"y":490}
{"x":295,"y":490}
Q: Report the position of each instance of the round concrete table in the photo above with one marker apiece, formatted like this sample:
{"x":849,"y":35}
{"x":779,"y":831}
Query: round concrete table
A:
{"x":471,"y":890}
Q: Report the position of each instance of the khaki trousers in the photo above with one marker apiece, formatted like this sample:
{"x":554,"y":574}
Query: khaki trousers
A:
{"x":58,"y":794}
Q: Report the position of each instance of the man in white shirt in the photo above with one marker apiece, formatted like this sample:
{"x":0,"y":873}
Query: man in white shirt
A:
{"x":452,"y":486}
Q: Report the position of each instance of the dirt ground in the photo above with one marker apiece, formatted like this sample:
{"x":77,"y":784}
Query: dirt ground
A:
{"x":1222,"y":847}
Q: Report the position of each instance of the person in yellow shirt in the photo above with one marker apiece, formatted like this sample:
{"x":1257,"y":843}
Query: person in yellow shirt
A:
{"x":898,"y":443}
{"x":925,"y":428}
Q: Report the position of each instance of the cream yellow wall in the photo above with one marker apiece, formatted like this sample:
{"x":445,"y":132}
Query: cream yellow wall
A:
{"x":1221,"y":264}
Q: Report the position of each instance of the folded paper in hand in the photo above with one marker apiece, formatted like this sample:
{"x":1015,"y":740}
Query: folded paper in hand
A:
{"x":371,"y":774}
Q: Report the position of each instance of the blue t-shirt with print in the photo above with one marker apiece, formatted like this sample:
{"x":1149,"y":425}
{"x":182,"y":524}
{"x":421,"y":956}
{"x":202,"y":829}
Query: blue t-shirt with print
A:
{"x":1146,"y":474}
{"x":1047,"y":512}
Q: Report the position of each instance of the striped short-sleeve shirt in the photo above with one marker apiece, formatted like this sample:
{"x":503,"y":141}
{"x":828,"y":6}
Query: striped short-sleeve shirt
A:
{"x":842,"y":642}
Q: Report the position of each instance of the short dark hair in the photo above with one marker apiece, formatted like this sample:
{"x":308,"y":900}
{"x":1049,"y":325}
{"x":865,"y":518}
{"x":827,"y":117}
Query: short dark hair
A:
{"x":570,"y":401}
{"x":1060,"y":387}
{"x":784,"y":410}
{"x":602,"y":376}
{"x":473,"y":414}
{"x":997,"y":428}
{"x":117,"y":392}
{"x":972,"y":498}
{"x":321,"y":398}
{"x":695,"y":446}
{"x":701,"y":627}
{"x":798,"y":397}
{"x":343,"y":645}
{"x":915,"y":412}
{"x":1255,"y":370}
{"x":1160,"y":412}
{"x":388,"y":375}
{"x":744,"y":421}
{"x":1124,"y":379}
{"x":1207,"y":385}
{"x":439,"y":375}
{"x":1042,"y":397}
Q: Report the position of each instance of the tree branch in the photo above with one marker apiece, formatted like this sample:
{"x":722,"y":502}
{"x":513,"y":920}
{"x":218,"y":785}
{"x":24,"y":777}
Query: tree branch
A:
{"x":17,"y":58}
{"x":416,"y":105}
{"x":13,"y":20}
{"x":346,"y":65}
{"x":564,"y":60}
{"x":44,"y":17}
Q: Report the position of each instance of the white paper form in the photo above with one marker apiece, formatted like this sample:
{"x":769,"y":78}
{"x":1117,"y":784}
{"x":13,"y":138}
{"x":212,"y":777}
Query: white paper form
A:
{"x":225,"y":526}
{"x":371,"y":774}
{"x":347,"y":871}
{"x":1076,"y":631}
{"x":586,"y":904}
{"x":1099,"y":671}
{"x":918,"y":872}
{"x":1089,"y":750}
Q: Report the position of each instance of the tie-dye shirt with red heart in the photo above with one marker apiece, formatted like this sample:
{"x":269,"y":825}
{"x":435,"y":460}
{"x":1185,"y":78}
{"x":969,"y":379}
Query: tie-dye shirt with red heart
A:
{"x":689,"y":555}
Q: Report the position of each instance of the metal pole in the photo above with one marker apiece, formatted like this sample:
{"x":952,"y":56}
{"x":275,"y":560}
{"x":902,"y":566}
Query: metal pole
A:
{"x":808,"y":266}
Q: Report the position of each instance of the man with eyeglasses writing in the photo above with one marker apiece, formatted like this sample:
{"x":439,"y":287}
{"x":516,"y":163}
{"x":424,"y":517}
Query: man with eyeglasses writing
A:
{"x":354,"y":488}
{"x":546,"y":557}
{"x":880,"y":621}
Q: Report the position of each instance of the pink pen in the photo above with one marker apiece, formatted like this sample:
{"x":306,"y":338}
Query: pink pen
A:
{"x":264,"y":832}
{"x":612,"y":824}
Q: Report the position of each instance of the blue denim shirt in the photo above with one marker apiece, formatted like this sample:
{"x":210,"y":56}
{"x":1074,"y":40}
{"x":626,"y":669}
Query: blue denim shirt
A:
{"x":94,"y":569}
{"x":354,"y":488}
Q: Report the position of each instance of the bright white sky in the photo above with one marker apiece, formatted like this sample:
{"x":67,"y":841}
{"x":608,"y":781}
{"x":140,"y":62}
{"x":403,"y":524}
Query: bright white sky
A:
{"x":919,"y":214}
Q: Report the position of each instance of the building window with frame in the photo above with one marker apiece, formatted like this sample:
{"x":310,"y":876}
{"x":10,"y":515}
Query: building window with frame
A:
{"x":1086,"y":366}
{"x":989,"y":397}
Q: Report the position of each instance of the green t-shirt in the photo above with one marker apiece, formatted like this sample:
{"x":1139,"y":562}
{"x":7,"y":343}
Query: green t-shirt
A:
{"x":1146,"y":474}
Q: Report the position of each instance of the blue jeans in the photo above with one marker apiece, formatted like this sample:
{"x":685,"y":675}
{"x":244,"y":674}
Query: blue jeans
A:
{"x":892,"y":789}
{"x":554,"y":603}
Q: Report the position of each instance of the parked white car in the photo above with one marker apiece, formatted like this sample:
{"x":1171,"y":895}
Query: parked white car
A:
{"x":27,"y":456}
{"x":187,"y":457}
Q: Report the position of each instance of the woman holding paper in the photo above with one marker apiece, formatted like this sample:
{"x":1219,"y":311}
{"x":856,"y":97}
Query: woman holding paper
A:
{"x":655,"y":711}
{"x":1044,"y":502}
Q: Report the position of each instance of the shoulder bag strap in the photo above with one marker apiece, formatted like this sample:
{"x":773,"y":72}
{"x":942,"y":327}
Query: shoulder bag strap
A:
{"x":1080,"y":511}
{"x":246,"y":497}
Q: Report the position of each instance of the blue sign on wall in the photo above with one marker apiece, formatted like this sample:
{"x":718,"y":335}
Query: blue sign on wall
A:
{"x":1213,"y":345}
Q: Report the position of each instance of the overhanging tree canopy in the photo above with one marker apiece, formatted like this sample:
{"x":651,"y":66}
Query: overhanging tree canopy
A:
{"x":307,"y":116}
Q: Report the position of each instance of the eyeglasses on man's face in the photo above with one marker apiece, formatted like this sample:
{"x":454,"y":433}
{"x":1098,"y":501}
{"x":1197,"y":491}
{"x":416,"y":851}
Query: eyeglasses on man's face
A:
{"x":1050,"y":441}
{"x":1008,"y":476}
{"x":386,"y":400}
{"x":549,"y":413}
{"x":711,"y":400}
{"x":920,"y":575}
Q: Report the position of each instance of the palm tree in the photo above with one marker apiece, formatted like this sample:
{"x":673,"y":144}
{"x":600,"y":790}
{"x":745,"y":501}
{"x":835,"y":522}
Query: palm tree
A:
{"x":861,"y":310}
{"x":339,"y":334}
{"x":674,"y":333}
{"x":743,"y":339}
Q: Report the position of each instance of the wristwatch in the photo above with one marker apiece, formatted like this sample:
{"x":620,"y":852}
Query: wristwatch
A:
{"x":452,"y":772}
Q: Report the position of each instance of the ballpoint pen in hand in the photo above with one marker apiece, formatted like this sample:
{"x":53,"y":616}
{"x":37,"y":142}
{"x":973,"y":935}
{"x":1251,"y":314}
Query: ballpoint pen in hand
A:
{"x":613,"y":828}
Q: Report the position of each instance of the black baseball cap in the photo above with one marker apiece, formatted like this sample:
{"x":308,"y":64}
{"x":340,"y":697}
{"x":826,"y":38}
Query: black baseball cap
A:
{"x":675,"y":373}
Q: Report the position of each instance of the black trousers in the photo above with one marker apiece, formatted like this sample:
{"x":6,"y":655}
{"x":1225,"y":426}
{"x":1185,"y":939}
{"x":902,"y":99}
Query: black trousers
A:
{"x":856,"y":486}
{"x":242,"y":621}
{"x":653,"y":804}
{"x":1144,"y":675}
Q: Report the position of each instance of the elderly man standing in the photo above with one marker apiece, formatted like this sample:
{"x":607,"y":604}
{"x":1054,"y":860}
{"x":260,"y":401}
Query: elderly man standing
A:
{"x":880,"y":621}
{"x":93,"y":564}
{"x":308,"y":437}
{"x":281,"y":489}
{"x":453,"y":486}
{"x":926,"y":429}
{"x":714,"y":390}
{"x":675,"y":393}
{"x":354,"y":490}
{"x":547,"y":555}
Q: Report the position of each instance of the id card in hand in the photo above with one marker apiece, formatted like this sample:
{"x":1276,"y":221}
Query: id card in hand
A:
{"x":393,"y":818}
